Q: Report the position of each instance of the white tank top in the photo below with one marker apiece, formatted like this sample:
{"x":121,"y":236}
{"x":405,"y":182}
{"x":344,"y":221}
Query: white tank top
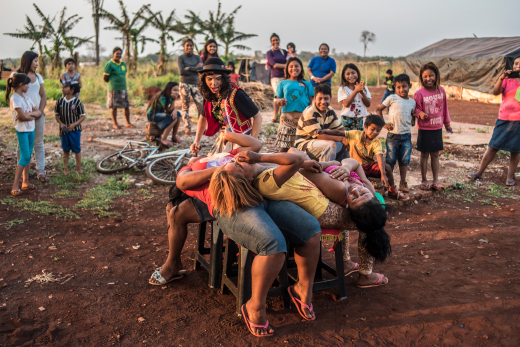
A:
{"x":33,"y":93}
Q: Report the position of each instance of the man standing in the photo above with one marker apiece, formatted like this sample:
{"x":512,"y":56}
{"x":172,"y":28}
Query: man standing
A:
{"x":117,"y":95}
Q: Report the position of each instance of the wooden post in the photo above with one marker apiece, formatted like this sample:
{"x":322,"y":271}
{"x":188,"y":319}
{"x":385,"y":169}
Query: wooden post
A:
{"x":378,"y":76}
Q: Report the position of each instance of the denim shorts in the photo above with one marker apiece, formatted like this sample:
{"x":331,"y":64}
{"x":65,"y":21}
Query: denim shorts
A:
{"x":264,"y":229}
{"x":71,"y":141}
{"x":398,"y":149}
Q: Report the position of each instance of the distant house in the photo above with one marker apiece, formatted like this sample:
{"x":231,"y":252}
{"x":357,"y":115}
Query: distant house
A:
{"x":469,"y":67}
{"x":4,"y":72}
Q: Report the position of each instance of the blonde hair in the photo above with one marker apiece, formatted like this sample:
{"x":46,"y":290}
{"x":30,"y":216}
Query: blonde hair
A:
{"x":230,"y":193}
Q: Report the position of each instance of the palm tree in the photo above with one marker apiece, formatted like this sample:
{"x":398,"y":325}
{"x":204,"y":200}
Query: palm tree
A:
{"x":138,"y":37}
{"x":190,"y":29}
{"x":58,"y":34}
{"x":216,"y":22}
{"x":123,"y":24}
{"x":366,"y":38}
{"x":37,"y":34}
{"x":165,"y":26}
{"x":72,"y":43}
{"x":97,"y":5}
{"x":229,"y":36}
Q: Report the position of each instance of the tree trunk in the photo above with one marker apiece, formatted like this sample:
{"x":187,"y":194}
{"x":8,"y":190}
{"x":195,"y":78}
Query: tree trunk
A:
{"x":41,"y":61}
{"x":96,"y":28}
{"x":128,"y":49}
{"x":162,"y":58}
{"x":76,"y":59}
{"x":134,"y":62}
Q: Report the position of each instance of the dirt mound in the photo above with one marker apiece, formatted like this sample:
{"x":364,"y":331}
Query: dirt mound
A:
{"x":261,"y":94}
{"x":151,"y":91}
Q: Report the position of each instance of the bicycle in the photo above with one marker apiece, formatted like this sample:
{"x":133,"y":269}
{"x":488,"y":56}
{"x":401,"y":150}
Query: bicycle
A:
{"x":162,"y":168}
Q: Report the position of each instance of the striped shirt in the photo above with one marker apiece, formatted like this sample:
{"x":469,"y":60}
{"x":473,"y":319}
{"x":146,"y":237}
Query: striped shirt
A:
{"x":311,"y":121}
{"x":69,"y":111}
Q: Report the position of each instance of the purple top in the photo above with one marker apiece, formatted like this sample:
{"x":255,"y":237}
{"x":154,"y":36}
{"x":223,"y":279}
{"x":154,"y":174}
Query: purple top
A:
{"x":277,"y":57}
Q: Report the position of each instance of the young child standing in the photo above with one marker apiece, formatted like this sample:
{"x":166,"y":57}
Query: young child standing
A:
{"x":390,"y":85}
{"x":230,"y":65}
{"x":293,"y":94}
{"x":399,"y":138}
{"x":364,"y":145}
{"x":24,"y":113}
{"x":70,"y":114}
{"x":432,"y":113}
{"x":70,"y":75}
{"x":355,"y":97}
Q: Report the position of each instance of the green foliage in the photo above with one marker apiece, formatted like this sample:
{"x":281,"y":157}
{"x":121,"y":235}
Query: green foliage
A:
{"x":146,"y":193}
{"x":65,"y":194}
{"x":43,"y":207}
{"x":12,"y":223}
{"x":270,"y":129}
{"x":74,"y":179}
{"x":489,"y":202}
{"x":483,"y":130}
{"x":98,"y":199}
{"x":51,"y":138}
{"x":497,"y":191}
{"x":501,"y":154}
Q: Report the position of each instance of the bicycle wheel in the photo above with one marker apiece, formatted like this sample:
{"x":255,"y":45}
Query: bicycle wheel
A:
{"x":164,"y":170}
{"x":116,"y":162}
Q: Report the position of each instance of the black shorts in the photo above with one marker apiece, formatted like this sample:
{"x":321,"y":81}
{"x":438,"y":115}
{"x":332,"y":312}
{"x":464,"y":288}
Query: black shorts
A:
{"x":429,"y":141}
{"x":201,"y":209}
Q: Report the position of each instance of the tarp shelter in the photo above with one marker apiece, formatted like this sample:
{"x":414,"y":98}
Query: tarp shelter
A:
{"x":469,"y":67}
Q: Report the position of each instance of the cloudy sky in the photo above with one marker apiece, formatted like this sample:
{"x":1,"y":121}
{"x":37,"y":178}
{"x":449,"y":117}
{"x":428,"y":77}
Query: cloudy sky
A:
{"x":401,"y":26}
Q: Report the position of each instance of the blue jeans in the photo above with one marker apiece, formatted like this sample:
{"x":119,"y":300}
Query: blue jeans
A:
{"x":25,"y":147}
{"x":264,"y":229}
{"x":398,"y":148}
{"x":386,"y":94}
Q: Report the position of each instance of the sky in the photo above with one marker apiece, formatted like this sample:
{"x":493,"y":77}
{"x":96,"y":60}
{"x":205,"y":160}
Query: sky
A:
{"x":401,"y":26}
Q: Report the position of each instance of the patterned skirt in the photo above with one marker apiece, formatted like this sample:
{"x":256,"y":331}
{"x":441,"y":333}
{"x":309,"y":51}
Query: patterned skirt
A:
{"x":117,"y":99}
{"x":287,"y":129}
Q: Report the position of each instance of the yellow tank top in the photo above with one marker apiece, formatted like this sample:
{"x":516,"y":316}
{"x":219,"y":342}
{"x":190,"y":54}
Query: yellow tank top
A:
{"x":298,"y":190}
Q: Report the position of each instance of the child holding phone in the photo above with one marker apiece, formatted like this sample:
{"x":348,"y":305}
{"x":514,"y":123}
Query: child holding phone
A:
{"x":431,"y":113}
{"x":70,"y":114}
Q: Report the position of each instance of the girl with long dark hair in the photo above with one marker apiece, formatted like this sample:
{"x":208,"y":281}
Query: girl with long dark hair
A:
{"x":210,"y":50}
{"x":161,"y":111}
{"x":36,"y":93}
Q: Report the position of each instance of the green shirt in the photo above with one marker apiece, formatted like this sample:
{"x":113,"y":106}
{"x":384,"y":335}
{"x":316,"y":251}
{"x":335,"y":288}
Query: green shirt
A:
{"x":116,"y":75}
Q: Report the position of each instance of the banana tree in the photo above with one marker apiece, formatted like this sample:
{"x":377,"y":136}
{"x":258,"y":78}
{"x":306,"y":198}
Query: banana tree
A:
{"x":190,"y":29}
{"x":35,"y":33}
{"x":229,"y":37}
{"x":57,"y":34}
{"x":72,"y":43}
{"x":124,"y":24}
{"x":138,"y":37}
{"x":165,"y":26}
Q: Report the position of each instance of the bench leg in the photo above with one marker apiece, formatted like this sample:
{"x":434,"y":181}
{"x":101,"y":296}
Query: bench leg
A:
{"x":201,"y":235}
{"x":215,"y":272}
{"x":340,"y":271}
{"x":245,"y":260}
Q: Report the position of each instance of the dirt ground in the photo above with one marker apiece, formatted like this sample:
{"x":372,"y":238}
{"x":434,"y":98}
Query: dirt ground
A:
{"x":453,"y":273}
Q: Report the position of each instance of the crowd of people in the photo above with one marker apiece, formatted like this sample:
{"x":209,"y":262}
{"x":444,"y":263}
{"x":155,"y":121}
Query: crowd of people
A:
{"x":265,"y":201}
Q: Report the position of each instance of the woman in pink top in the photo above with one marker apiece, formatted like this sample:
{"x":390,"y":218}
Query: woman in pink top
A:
{"x":432,"y":113}
{"x":506,"y":135}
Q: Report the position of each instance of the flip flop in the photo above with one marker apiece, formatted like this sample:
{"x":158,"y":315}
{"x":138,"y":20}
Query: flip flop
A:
{"x":298,"y":303}
{"x":436,"y":187}
{"x":377,"y":283}
{"x":43,"y":178}
{"x":510,"y":183}
{"x":354,"y":269}
{"x":160,"y":278}
{"x":424,"y":186}
{"x":16,"y":192}
{"x":473,"y":177}
{"x":167,"y":144}
{"x":29,"y":187}
{"x":250,"y":325}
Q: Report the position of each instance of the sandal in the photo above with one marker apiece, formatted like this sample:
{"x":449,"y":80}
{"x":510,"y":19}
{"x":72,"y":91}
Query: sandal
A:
{"x":436,"y":187}
{"x":160,"y":278}
{"x":473,"y":177}
{"x":424,"y":186}
{"x":167,"y":144}
{"x":16,"y":192}
{"x":354,"y":269}
{"x":298,"y":303}
{"x":377,"y":283}
{"x":30,"y":186}
{"x":398,"y":195}
{"x":250,"y":325}
{"x":510,"y":183}
{"x":43,"y":178}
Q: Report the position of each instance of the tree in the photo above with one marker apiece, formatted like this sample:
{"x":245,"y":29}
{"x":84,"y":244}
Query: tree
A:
{"x":72,"y":42}
{"x":366,"y":38}
{"x":138,"y":37}
{"x":123,"y":24}
{"x":190,"y":29}
{"x":165,"y":26}
{"x":97,"y":5}
{"x":57,"y":34}
{"x":229,"y":36}
{"x":35,"y":33}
